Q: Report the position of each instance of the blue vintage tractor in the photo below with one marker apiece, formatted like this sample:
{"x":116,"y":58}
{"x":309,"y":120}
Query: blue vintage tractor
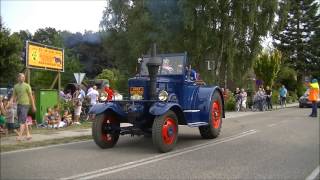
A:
{"x":163,"y":95}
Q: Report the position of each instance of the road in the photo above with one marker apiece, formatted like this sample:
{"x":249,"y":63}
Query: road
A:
{"x":282,"y":144}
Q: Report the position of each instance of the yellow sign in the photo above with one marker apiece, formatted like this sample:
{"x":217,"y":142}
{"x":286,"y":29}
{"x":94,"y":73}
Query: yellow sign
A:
{"x":41,"y":56}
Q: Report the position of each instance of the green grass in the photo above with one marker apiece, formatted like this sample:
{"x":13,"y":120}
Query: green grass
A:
{"x":27,"y":145}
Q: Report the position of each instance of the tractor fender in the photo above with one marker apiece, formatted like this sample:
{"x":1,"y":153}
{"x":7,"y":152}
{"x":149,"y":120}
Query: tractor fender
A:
{"x":160,"y":108}
{"x":203,"y":101}
{"x":102,"y":107}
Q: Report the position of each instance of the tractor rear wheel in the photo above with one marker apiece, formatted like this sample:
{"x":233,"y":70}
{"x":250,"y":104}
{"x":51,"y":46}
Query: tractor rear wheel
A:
{"x":106,"y":130}
{"x":165,"y":131}
{"x":215,"y":118}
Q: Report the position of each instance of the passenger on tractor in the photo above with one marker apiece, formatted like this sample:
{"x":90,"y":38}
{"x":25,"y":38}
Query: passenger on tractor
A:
{"x":191,"y":73}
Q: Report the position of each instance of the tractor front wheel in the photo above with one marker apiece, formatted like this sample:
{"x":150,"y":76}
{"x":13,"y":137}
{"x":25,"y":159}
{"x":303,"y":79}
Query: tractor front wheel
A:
{"x":165,"y":131}
{"x":106,"y":130}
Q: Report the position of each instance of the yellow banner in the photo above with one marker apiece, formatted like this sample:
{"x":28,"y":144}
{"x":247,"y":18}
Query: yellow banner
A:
{"x":44,"y":57}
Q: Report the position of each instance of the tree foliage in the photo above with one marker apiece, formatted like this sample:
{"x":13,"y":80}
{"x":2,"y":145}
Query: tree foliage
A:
{"x":10,"y":56}
{"x":115,"y":78}
{"x":267,"y":67}
{"x":297,"y":35}
{"x":226,"y":32}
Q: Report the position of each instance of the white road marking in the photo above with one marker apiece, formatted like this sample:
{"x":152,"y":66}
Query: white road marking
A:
{"x":43,"y":147}
{"x":132,"y":164}
{"x":271,"y":125}
{"x":314,"y":174}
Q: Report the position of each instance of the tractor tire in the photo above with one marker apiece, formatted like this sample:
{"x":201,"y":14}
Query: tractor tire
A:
{"x":106,"y":130}
{"x":165,"y":131}
{"x":215,"y":118}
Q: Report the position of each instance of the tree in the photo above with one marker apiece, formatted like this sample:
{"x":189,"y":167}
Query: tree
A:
{"x":116,"y":80}
{"x":267,"y":67}
{"x":10,"y":56}
{"x":226,"y":32}
{"x":297,"y":35}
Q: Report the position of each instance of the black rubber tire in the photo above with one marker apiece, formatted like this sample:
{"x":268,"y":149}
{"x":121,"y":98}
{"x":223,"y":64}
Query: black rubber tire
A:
{"x":209,"y":132}
{"x":300,"y":105}
{"x":157,"y":126}
{"x":98,"y":133}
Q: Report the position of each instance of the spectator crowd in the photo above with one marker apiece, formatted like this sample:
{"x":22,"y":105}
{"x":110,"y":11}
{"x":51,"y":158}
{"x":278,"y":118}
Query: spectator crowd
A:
{"x":57,"y":116}
{"x":261,"y":99}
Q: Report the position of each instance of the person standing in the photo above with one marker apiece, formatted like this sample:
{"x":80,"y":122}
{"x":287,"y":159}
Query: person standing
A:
{"x":22,"y":94}
{"x":314,"y":96}
{"x":237,"y":97}
{"x":77,"y":103}
{"x":268,"y":98}
{"x":93,"y":95}
{"x":283,"y":95}
{"x":243,"y":99}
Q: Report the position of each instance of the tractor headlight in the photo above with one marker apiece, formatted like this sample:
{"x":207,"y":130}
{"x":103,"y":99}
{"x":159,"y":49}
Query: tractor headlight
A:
{"x":163,"y":95}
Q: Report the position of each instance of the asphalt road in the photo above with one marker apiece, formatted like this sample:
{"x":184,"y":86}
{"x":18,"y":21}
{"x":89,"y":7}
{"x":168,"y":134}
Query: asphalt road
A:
{"x":282,"y":144}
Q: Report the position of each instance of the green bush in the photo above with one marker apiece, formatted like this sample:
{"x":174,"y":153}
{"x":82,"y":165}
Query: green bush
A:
{"x":230,"y":104}
{"x":65,"y":105}
{"x":275,"y":97}
{"x":292,"y":97}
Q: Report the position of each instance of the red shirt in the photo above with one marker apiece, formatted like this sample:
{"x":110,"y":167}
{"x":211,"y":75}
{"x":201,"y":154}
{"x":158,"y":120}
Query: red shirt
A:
{"x":109,"y":93}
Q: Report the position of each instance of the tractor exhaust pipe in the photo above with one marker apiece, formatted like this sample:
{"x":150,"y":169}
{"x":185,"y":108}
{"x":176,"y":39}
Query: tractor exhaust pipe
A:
{"x":153,"y":67}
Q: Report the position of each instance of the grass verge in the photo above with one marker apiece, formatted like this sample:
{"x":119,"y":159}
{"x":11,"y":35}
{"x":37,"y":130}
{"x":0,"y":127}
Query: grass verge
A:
{"x":27,"y":145}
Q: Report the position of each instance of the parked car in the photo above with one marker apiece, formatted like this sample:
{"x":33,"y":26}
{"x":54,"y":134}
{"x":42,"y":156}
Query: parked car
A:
{"x":162,"y":97}
{"x":304,"y":101}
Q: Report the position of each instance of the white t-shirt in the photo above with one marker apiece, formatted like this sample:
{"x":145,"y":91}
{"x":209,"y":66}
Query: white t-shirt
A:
{"x":93,"y":94}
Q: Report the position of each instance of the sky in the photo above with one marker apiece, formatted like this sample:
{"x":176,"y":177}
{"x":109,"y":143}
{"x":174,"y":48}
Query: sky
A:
{"x":71,"y":15}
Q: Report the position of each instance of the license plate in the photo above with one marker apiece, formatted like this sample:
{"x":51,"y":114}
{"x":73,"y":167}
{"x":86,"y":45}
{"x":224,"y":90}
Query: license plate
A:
{"x":136,"y":91}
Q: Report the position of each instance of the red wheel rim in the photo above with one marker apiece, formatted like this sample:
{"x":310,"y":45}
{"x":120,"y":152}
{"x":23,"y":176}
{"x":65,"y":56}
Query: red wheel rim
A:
{"x":107,"y":136}
{"x":169,"y":131}
{"x":216,"y":114}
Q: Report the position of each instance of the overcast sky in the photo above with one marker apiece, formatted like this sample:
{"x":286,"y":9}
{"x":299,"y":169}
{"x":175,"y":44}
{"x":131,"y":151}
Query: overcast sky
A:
{"x":71,"y":15}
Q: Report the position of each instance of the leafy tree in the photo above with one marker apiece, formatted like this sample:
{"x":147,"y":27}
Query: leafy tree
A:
{"x":267,"y":67}
{"x":227,"y":32}
{"x":10,"y":56}
{"x":297,"y":35}
{"x":48,"y":36}
{"x":116,"y":80}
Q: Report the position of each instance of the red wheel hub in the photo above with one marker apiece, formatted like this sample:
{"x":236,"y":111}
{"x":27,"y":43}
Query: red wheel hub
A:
{"x":216,"y":114}
{"x":169,"y":131}
{"x":106,"y":124}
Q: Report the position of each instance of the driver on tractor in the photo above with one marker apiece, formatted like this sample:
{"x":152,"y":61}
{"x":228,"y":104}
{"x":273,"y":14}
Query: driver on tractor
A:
{"x":191,"y":73}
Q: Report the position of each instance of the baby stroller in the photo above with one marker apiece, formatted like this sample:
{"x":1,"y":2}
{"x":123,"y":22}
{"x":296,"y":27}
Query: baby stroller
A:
{"x":259,"y":102}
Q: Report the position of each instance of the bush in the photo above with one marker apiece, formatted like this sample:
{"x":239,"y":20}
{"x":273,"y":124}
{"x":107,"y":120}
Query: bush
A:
{"x":65,"y":105}
{"x":230,"y":104}
{"x":275,"y":97}
{"x":292,"y":97}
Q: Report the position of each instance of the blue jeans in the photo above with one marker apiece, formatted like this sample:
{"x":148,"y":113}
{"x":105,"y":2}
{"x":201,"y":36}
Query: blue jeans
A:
{"x":314,"y":109}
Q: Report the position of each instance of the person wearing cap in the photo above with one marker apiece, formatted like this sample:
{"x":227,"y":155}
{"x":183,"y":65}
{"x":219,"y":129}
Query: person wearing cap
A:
{"x":314,"y":96}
